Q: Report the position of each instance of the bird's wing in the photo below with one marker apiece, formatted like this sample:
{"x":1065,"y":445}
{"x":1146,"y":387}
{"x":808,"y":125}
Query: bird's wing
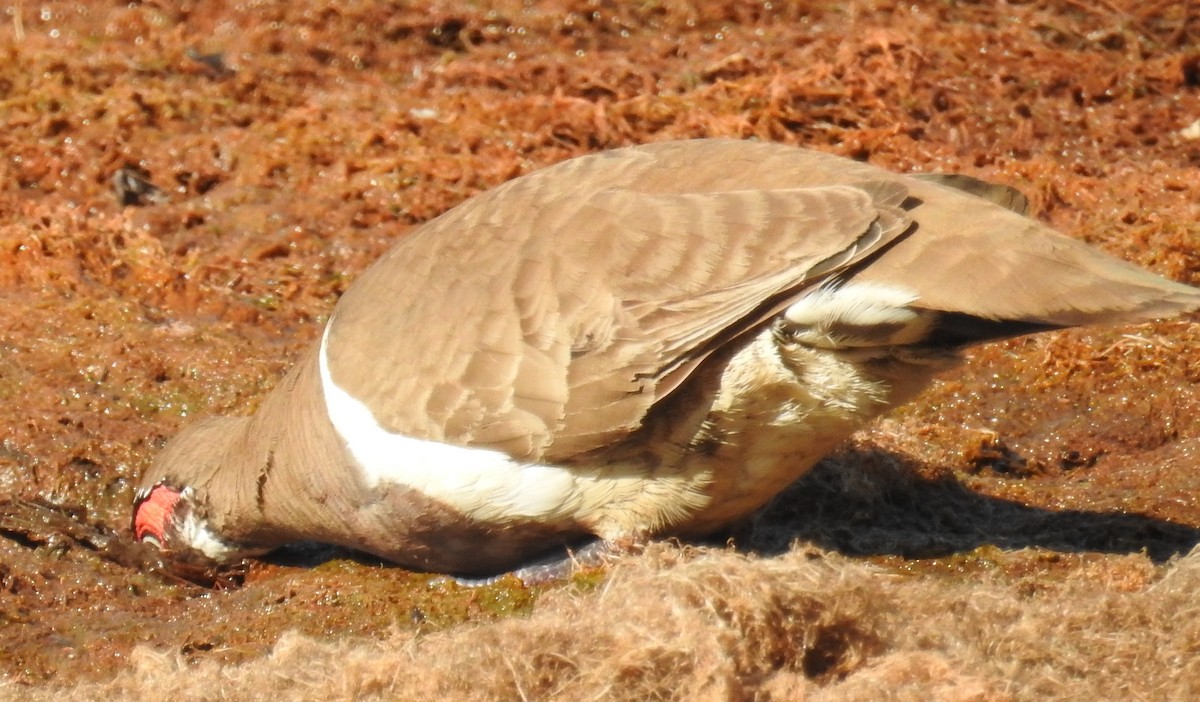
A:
{"x":547,"y":317}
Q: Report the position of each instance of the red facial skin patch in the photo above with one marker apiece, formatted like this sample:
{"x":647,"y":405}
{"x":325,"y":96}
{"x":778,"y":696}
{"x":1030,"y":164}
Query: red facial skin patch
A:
{"x":153,"y":513}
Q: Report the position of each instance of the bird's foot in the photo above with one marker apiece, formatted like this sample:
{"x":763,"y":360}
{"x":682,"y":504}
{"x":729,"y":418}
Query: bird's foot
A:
{"x":554,"y":567}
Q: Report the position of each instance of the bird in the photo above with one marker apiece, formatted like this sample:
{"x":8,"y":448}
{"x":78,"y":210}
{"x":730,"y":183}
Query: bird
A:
{"x":646,"y":342}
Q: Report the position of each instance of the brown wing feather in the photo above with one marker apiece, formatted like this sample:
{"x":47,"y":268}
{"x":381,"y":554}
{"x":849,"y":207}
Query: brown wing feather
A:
{"x":564,"y":306}
{"x":742,"y":256}
{"x":547,"y":316}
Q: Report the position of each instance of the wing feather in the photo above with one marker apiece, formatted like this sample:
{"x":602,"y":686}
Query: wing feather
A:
{"x":576,"y":301}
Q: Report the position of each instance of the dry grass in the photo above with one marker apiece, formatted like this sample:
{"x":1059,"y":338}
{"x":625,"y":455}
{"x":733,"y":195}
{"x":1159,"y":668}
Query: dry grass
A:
{"x":710,"y":625}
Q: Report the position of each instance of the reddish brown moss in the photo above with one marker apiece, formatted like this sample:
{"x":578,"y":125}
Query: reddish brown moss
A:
{"x":293,"y":142}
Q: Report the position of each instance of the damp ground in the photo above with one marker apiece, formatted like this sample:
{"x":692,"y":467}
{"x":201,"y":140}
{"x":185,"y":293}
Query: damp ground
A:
{"x":187,"y":188}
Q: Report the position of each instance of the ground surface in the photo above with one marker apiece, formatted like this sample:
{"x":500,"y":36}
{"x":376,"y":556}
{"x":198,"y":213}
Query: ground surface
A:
{"x":1017,"y":533}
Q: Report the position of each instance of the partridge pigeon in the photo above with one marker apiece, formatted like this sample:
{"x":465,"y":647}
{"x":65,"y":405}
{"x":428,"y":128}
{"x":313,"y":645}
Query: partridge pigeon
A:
{"x":647,"y":341}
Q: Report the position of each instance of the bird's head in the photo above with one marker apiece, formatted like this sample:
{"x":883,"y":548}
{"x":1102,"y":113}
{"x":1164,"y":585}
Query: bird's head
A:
{"x":171,"y":506}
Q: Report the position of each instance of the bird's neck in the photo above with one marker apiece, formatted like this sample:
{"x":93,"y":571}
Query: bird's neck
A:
{"x":285,"y":476}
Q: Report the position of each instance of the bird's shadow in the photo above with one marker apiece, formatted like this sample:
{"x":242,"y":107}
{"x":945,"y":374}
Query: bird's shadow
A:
{"x":870,"y":503}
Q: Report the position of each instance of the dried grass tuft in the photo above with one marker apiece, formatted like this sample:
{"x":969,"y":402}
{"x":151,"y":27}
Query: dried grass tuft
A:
{"x":710,"y":625}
